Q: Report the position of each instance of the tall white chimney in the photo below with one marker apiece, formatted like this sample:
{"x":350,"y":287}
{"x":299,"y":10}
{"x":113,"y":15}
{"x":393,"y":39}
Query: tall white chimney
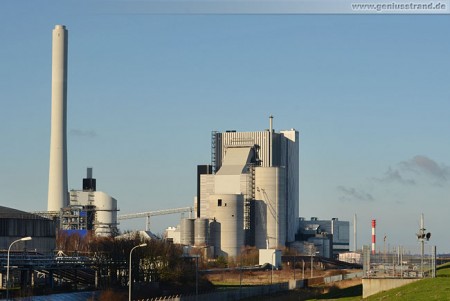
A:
{"x":57,"y":180}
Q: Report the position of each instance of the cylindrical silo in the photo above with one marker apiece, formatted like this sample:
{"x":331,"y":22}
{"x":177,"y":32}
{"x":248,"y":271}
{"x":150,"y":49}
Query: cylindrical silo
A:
{"x":214,"y":236}
{"x":271,"y":189}
{"x":187,"y":231}
{"x":228,"y":211}
{"x":105,"y":214}
{"x":260,"y":224}
{"x":201,"y":231}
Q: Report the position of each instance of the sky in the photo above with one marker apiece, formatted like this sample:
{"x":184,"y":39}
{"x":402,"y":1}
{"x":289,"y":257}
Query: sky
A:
{"x":369,"y":95}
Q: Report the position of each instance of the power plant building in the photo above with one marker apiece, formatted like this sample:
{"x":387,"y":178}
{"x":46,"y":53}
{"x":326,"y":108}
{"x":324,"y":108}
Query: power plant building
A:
{"x":15,"y":224}
{"x":83,"y":210}
{"x":335,"y":230}
{"x":251,"y":189}
{"x":90,"y":210}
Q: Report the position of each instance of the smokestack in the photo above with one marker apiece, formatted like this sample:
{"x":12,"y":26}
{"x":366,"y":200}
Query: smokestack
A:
{"x":57,"y":180}
{"x":89,"y":183}
{"x":374,"y":238}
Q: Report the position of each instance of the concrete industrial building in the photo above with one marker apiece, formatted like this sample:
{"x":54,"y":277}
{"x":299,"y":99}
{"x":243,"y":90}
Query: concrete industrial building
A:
{"x":250,"y":192}
{"x":330,"y":237}
{"x":90,"y":210}
{"x":15,"y":224}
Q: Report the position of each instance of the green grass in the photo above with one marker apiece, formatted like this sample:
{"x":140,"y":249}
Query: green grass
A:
{"x":427,"y":289}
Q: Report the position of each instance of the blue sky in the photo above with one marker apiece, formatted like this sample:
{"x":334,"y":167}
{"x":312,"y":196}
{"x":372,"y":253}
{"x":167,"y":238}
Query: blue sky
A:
{"x":369,"y":95}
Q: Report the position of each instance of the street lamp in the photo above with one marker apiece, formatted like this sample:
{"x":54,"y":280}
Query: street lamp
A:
{"x":7,"y":265}
{"x":196,"y":256}
{"x":273,"y":263}
{"x":303,"y":269}
{"x":129,"y":270}
{"x":312,"y":262}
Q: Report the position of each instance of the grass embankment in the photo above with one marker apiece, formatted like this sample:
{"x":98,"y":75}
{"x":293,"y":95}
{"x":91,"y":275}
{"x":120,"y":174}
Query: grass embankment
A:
{"x":427,"y":289}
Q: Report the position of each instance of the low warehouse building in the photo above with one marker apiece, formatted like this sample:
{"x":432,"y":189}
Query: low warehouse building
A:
{"x":15,"y":224}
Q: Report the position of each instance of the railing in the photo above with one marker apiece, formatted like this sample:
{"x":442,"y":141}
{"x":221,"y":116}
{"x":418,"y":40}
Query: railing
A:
{"x":400,"y":262}
{"x":259,"y":290}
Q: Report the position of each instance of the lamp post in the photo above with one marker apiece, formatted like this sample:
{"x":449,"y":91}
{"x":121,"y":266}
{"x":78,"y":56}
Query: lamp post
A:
{"x":129,"y":270}
{"x":7,"y":265}
{"x":271,"y":272}
{"x":303,"y":269}
{"x":273,"y":263}
{"x":197,"y":256}
{"x":294,"y":265}
{"x":240,"y":278}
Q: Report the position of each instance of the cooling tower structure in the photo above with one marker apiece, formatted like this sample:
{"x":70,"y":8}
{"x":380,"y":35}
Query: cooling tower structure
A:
{"x":58,"y":194}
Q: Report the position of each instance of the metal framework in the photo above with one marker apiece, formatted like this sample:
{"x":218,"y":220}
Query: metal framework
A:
{"x":148,"y":214}
{"x":400,"y":262}
{"x":213,"y":151}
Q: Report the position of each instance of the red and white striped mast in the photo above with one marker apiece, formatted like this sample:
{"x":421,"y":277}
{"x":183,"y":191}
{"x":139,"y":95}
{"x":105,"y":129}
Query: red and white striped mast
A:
{"x":374,"y":237}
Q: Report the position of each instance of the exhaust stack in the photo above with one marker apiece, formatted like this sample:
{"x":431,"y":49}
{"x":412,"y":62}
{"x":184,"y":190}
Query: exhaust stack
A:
{"x":57,"y":180}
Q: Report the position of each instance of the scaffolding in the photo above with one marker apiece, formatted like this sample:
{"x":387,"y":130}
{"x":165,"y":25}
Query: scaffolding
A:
{"x":213,"y":150}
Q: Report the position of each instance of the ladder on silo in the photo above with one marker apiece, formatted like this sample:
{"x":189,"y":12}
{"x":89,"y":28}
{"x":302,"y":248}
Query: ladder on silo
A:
{"x":213,"y":150}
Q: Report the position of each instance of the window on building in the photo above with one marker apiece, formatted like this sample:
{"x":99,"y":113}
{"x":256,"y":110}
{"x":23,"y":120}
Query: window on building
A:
{"x":219,"y":202}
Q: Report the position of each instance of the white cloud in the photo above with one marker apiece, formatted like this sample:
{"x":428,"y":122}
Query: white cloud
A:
{"x":425,"y":166}
{"x":394,"y":176}
{"x":412,"y":171}
{"x":351,"y":194}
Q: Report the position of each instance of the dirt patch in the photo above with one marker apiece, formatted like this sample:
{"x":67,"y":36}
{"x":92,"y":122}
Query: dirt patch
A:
{"x":256,"y":277}
{"x":266,"y":277}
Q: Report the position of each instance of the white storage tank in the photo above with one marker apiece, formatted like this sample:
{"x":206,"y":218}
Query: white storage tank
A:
{"x":214,"y":236}
{"x":201,"y":231}
{"x":228,"y":211}
{"x":187,"y":231}
{"x":271,"y":189}
{"x":105,"y":214}
{"x":260,"y":224}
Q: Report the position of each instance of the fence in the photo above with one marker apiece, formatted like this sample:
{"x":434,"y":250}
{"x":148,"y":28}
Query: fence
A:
{"x":400,"y":262}
{"x":260,"y":290}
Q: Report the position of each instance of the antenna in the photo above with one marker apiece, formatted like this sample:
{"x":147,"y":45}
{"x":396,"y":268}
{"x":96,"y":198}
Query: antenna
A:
{"x":270,"y":139}
{"x":355,"y":247}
